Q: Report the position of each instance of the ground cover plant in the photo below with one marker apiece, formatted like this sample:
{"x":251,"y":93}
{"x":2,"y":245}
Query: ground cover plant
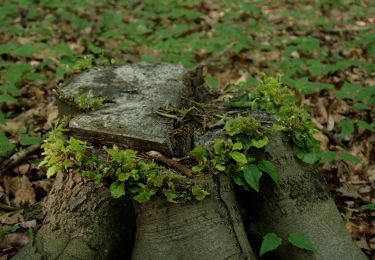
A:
{"x":323,"y":49}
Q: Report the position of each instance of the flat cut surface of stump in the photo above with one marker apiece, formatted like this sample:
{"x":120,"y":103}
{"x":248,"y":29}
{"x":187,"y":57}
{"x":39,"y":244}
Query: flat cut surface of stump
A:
{"x":133,"y":93}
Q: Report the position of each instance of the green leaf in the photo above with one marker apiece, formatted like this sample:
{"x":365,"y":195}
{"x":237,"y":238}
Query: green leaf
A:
{"x":301,"y":241}
{"x":2,"y":117}
{"x":5,"y":144}
{"x":199,"y":154}
{"x":219,"y":145}
{"x":52,"y":171}
{"x":311,"y":158}
{"x":269,"y":168}
{"x":347,"y":127}
{"x":270,"y":242}
{"x":237,"y":146}
{"x":220,"y":167}
{"x":252,"y":176}
{"x":29,"y":140}
{"x":365,"y":125}
{"x":349,"y":157}
{"x":212,"y":82}
{"x":145,"y":196}
{"x":117,"y":189}
{"x":327,"y":156}
{"x":238,"y":157}
{"x":198,"y":192}
{"x":6,"y":98}
{"x":260,"y":143}
{"x":348,"y":91}
{"x":197,"y":168}
{"x":9,"y":229}
{"x":171,"y":196}
{"x":369,"y":206}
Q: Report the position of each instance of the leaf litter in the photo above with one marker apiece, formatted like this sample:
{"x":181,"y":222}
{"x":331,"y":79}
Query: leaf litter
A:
{"x":324,"y":49}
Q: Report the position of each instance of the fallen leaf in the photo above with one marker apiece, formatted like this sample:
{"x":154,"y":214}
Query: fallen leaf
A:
{"x":348,"y":190}
{"x":16,"y":240}
{"x":21,"y":189}
{"x":11,"y":218}
{"x":323,"y":139}
{"x":23,"y":168}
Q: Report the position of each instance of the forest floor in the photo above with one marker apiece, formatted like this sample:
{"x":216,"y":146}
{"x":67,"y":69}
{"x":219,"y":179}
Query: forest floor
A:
{"x":323,"y":49}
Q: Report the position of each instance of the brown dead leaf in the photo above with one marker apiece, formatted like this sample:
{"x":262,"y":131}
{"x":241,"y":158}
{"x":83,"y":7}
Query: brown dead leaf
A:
{"x":28,"y":224}
{"x":11,"y":218}
{"x":52,"y":114}
{"x":362,"y":243}
{"x":321,"y":109}
{"x":323,"y":139}
{"x":23,"y":168}
{"x":21,"y":189}
{"x":348,"y":190}
{"x":372,"y":243}
{"x":13,"y":240}
{"x":26,"y":118}
{"x":44,"y":184}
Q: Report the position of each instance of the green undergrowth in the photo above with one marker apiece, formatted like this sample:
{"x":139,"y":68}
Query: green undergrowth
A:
{"x":85,"y":101}
{"x":244,"y":135}
{"x":125,"y":171}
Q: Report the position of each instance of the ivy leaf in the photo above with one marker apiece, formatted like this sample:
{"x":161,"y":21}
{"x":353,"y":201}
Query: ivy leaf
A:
{"x":269,"y":168}
{"x":270,"y":242}
{"x":347,"y":127}
{"x":301,"y":241}
{"x":238,"y":157}
{"x":252,"y":175}
{"x":117,"y":189}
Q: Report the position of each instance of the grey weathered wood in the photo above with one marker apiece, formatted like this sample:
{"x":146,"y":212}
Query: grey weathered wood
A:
{"x":133,"y":94}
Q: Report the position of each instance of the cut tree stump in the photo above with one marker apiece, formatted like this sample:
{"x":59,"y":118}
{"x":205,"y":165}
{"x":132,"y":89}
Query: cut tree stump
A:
{"x":299,"y":202}
{"x":208,"y":229}
{"x":83,"y":221}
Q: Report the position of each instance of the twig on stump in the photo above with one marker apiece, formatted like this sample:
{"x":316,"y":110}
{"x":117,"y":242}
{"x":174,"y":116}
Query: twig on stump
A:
{"x":170,"y":163}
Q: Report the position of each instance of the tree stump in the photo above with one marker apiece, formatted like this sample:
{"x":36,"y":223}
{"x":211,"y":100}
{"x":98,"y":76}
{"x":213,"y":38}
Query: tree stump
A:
{"x":83,"y":221}
{"x":300,"y":202}
{"x":208,"y":229}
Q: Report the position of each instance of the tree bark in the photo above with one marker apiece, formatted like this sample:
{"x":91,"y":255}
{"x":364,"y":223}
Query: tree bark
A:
{"x":82,"y":221}
{"x":300,"y":202}
{"x":208,"y":229}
